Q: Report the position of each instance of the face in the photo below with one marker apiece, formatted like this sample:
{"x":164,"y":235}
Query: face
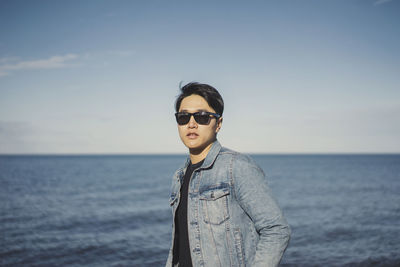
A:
{"x":195,"y":136}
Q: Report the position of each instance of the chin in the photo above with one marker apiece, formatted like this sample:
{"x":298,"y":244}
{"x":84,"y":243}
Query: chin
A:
{"x":193,"y":144}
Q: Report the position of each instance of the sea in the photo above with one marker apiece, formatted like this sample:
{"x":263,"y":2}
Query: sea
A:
{"x":113,"y":210}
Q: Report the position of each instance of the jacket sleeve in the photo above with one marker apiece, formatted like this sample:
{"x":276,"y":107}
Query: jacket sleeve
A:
{"x":254,"y":196}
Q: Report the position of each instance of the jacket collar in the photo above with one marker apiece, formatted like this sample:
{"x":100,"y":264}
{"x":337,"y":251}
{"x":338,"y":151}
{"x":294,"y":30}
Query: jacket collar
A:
{"x":212,"y":155}
{"x":210,"y":158}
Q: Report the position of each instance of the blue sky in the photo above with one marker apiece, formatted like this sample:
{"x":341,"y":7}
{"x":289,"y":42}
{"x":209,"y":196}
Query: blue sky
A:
{"x":296,"y":76}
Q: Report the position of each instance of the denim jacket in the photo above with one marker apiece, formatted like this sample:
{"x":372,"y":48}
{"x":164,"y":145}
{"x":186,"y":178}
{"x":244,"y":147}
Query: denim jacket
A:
{"x":232,"y":218}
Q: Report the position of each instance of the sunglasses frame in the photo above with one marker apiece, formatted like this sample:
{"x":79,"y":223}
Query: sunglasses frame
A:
{"x":217,"y":116}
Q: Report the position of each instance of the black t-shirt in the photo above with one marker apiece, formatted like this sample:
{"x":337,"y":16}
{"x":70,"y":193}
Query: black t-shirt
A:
{"x":181,"y":250}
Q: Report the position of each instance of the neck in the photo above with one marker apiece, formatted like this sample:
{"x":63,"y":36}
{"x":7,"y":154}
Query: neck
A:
{"x":197,"y":155}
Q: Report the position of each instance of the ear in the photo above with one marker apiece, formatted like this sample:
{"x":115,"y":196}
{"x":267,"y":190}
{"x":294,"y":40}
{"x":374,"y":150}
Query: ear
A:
{"x":219,"y":125}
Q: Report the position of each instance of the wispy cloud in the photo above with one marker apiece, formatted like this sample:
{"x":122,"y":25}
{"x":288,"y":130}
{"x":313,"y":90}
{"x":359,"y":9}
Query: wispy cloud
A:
{"x":8,"y":65}
{"x":381,"y":2}
{"x":122,"y":53}
{"x":7,"y":60}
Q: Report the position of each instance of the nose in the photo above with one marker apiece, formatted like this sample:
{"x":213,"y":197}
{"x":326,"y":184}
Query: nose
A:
{"x":192,"y":123}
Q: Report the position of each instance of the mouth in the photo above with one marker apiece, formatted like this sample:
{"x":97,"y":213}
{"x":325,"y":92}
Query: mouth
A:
{"x":192,"y":135}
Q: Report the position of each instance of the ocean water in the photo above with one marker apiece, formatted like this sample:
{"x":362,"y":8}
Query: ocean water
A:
{"x":344,"y":210}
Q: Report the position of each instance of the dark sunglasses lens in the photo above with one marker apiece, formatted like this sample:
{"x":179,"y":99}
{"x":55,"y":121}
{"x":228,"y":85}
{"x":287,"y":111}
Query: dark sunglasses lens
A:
{"x":202,"y":119}
{"x":182,"y":119}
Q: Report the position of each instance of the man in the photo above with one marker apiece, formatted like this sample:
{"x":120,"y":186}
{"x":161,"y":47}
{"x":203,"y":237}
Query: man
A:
{"x":224,"y":214}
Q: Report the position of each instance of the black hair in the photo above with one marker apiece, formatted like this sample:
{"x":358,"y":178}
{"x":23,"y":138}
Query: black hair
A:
{"x":209,"y":93}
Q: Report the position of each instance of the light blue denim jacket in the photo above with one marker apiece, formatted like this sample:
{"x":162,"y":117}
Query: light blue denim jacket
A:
{"x":232,"y":218}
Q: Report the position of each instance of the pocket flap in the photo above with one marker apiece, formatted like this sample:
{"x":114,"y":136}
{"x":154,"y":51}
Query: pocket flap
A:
{"x":214,"y":192}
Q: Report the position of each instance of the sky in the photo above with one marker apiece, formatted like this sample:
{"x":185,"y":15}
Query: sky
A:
{"x":94,"y":77}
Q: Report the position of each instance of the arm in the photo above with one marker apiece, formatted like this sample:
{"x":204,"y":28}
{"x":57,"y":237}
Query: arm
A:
{"x":254,"y":196}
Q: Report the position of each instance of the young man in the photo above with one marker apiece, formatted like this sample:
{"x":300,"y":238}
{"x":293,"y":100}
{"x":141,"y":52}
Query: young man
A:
{"x":224,"y":214}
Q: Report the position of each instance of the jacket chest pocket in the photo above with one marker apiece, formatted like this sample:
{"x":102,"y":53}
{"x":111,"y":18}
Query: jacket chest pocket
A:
{"x":214,"y":202}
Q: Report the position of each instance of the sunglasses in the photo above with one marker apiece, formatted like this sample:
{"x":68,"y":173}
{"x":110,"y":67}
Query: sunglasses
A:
{"x":201,"y":117}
